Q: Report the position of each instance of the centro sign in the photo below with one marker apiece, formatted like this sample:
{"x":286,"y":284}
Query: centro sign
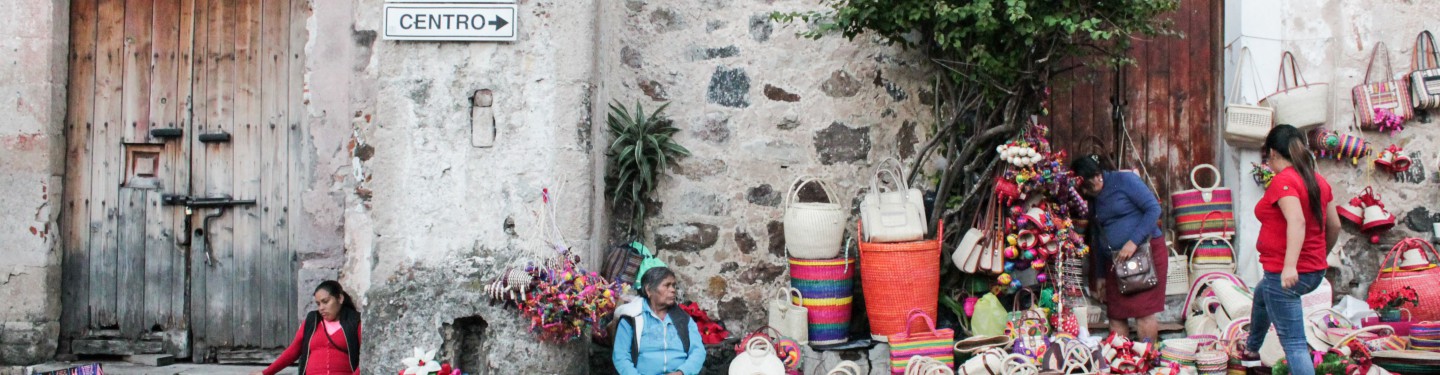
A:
{"x":460,"y":22}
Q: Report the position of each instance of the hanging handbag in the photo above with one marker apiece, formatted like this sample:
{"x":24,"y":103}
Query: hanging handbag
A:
{"x":1177,"y":275}
{"x":1381,"y":95}
{"x":1136,"y":273}
{"x":1390,"y":278}
{"x":1296,"y":101}
{"x":1018,"y":315}
{"x":758,"y":358}
{"x":813,"y":230}
{"x":893,"y":215}
{"x":790,"y":317}
{"x":1194,"y":206}
{"x":1245,"y":125}
{"x":623,"y":262}
{"x":1425,"y":80}
{"x":972,"y":246}
{"x":927,"y":342}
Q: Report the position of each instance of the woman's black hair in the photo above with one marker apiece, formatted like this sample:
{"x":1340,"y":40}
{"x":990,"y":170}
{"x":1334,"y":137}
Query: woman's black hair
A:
{"x":652,"y":279}
{"x":333,"y":287}
{"x":1088,"y":166}
{"x":1290,"y":143}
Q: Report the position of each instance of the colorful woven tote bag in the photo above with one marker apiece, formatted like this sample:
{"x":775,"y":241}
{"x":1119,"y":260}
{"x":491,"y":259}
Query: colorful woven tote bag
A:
{"x":829,"y":289}
{"x":1425,"y":79}
{"x":1193,"y":207}
{"x":1391,"y":278}
{"x":926,"y":341}
{"x":1381,"y":96}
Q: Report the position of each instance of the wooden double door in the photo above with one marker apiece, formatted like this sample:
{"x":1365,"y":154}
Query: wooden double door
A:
{"x":183,"y":130}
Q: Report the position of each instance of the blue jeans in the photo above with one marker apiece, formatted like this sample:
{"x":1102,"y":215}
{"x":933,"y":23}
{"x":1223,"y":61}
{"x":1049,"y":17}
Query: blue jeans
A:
{"x":1275,"y":304}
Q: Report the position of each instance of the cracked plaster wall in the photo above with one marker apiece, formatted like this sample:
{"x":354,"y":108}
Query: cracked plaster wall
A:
{"x":1332,"y":41}
{"x":32,"y":101}
{"x":431,"y":218}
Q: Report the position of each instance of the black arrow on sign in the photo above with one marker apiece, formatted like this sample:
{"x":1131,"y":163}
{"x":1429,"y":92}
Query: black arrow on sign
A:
{"x":499,"y":23}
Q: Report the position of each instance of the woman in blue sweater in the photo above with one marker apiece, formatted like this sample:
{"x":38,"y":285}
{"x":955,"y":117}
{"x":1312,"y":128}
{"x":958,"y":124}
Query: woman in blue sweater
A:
{"x":648,"y":340}
{"x":1126,"y":220}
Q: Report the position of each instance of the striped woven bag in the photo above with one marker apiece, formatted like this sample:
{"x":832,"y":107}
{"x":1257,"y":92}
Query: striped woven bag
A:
{"x":1195,"y":206}
{"x":928,"y":342}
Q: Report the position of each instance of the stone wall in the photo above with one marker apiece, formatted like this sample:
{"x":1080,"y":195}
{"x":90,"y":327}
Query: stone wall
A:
{"x":1332,"y":42}
{"x":758,"y":107}
{"x":32,"y":162}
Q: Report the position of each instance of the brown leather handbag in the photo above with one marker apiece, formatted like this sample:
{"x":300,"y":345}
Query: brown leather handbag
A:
{"x":1136,"y":273}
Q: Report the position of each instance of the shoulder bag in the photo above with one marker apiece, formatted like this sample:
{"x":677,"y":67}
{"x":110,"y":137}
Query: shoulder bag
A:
{"x":1425,"y":80}
{"x":1136,"y":273}
{"x":1245,"y":125}
{"x":1380,"y":95}
{"x":1296,"y":101}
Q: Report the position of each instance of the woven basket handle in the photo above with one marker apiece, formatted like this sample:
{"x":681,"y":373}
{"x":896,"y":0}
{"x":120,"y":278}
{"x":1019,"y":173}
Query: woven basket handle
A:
{"x":794,"y":193}
{"x":1015,"y":304}
{"x":846,"y":368}
{"x":1392,"y":259}
{"x":1234,"y":95}
{"x":897,"y":175}
{"x":1425,"y":55}
{"x":910,"y":322}
{"x":1375,"y":328}
{"x":1190,"y":263}
{"x":1224,"y":226}
{"x":1205,"y":192}
{"x":1389,"y":71}
{"x":765,"y":348}
{"x":1295,"y":79}
{"x":800,"y":296}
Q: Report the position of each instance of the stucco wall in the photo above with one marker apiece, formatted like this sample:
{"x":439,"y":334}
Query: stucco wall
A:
{"x":1332,"y":42}
{"x":758,"y":106}
{"x":32,"y":103}
{"x":435,"y":217}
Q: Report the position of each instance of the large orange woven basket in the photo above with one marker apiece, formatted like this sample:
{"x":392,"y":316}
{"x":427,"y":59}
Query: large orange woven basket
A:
{"x":899,"y":277}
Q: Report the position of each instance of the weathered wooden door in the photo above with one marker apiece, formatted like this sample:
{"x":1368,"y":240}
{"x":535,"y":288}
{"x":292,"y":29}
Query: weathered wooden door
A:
{"x":182,"y":128}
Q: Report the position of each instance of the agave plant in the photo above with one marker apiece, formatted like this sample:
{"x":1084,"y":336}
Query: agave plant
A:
{"x":642,"y":148}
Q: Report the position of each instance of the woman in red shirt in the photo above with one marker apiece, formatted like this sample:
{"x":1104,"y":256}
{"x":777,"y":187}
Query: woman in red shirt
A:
{"x":328,"y":342}
{"x":1297,"y":227}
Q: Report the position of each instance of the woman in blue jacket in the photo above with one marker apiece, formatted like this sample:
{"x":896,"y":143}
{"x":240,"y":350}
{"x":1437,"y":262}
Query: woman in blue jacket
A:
{"x":654,"y":336}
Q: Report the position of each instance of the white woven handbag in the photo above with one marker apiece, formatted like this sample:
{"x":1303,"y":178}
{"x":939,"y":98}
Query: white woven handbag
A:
{"x":1245,"y":125}
{"x":790,"y":317}
{"x":895,"y":214}
{"x":758,"y":359}
{"x":1425,"y":80}
{"x":813,"y":230}
{"x":1177,"y":277}
{"x":1296,"y":101}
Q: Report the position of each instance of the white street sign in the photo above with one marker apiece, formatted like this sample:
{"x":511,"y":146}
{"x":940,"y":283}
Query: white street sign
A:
{"x":463,"y":22}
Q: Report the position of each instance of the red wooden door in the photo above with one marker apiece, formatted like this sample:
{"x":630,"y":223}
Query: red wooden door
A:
{"x":1170,"y":93}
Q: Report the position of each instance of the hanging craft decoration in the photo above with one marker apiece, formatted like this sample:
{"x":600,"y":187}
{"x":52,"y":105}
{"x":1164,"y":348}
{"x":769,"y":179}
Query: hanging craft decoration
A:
{"x":1262,"y":174}
{"x":1393,"y":160}
{"x":1333,"y":144}
{"x":562,"y":300}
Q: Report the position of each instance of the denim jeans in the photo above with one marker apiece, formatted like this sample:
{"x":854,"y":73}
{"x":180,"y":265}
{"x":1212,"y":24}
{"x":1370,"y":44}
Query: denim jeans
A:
{"x":1275,"y":304}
